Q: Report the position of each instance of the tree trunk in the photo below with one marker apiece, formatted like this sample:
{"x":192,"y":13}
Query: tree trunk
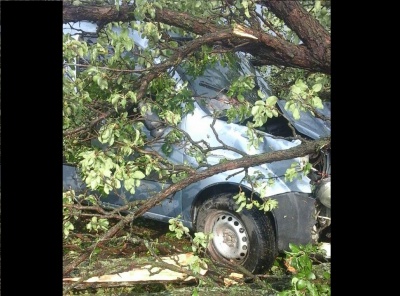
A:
{"x":313,"y":55}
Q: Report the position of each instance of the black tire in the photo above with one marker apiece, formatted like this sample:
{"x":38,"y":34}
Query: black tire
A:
{"x":246,"y":238}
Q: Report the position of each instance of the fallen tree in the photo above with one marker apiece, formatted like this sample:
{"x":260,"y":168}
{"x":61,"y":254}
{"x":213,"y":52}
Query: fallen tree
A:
{"x":225,"y":26}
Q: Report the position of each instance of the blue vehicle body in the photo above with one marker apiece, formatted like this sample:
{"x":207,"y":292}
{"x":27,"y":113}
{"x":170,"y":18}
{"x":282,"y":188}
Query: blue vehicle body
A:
{"x":296,"y":217}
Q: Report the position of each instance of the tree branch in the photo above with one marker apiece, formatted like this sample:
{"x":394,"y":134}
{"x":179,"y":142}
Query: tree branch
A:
{"x":244,"y":162}
{"x":267,"y":49}
{"x":143,"y":82}
{"x":307,"y":28}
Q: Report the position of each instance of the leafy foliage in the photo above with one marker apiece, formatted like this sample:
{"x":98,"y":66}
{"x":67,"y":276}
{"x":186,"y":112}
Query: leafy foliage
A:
{"x":297,"y":170}
{"x":111,"y":69}
{"x":177,"y":226}
{"x":244,"y":202}
{"x":199,"y":243}
{"x":68,"y":214}
{"x":110,"y":84}
{"x":97,"y":224}
{"x":304,"y":280}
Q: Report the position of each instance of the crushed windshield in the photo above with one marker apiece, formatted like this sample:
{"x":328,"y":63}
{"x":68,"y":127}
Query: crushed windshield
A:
{"x":210,"y":89}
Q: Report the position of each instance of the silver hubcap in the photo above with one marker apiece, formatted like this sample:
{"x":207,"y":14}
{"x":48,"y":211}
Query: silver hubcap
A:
{"x":230,"y":238}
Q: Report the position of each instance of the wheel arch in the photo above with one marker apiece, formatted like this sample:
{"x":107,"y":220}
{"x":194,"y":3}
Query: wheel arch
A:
{"x":292,"y":221}
{"x":228,"y":187}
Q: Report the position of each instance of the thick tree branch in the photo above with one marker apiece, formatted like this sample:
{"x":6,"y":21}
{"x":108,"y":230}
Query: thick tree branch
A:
{"x":244,"y":162}
{"x":307,"y":28}
{"x":267,"y":49}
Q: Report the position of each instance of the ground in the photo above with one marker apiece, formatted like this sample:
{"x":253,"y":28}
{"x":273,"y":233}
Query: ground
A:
{"x":122,"y":246}
{"x":128,"y":246}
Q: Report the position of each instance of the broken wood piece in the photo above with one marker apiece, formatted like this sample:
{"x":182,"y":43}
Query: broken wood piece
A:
{"x":148,"y":273}
{"x":240,"y":31}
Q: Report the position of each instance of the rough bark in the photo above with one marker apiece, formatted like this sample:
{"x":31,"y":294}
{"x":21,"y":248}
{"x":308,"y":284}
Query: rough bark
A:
{"x":313,"y":55}
{"x":307,"y":28}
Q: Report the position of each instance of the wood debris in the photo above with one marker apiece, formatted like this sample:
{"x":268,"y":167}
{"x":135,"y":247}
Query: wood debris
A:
{"x":148,"y":273}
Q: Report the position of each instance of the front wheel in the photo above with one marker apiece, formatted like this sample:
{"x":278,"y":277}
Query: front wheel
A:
{"x":246,"y":238}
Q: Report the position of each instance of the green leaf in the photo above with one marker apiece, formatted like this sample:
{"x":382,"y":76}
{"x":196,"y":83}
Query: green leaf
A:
{"x":255,"y":110}
{"x":107,"y":188}
{"x":261,"y":94}
{"x":123,"y":102}
{"x":102,"y":83}
{"x":67,"y":227}
{"x":294,"y":248}
{"x":92,"y":69}
{"x":317,"y":5}
{"x":301,"y":284}
{"x":295,"y":89}
{"x":137,"y":137}
{"x":96,"y":78}
{"x":152,"y":13}
{"x":131,"y":95}
{"x":103,"y":223}
{"x":317,"y":103}
{"x":311,"y":275}
{"x":115,"y":98}
{"x":271,"y":101}
{"x":138,"y":175}
{"x":241,"y":207}
{"x":158,"y":5}
{"x":94,"y":182}
{"x":128,"y":44}
{"x":195,"y":292}
{"x":317,"y":87}
{"x":300,"y":84}
{"x":296,"y":114}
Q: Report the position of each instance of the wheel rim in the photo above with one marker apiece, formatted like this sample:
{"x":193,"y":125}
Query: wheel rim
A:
{"x":230,"y":238}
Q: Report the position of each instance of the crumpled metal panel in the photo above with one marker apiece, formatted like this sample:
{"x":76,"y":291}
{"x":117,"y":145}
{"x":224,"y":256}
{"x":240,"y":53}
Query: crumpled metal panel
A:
{"x":294,"y":219}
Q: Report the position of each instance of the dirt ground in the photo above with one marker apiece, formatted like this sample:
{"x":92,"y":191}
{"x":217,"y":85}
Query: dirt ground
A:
{"x":129,"y":243}
{"x":123,"y":246}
